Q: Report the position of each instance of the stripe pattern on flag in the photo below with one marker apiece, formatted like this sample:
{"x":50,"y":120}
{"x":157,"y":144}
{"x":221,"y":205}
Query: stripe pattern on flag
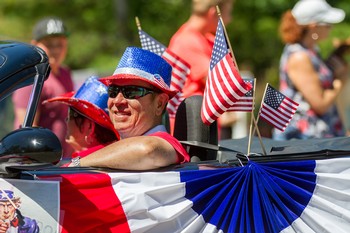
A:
{"x":224,"y":85}
{"x":246,"y":102}
{"x":277,"y":109}
{"x":180,"y":71}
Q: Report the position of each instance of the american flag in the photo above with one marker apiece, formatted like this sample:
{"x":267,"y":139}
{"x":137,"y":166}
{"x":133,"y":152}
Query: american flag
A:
{"x":277,"y":109}
{"x":181,"y":69}
{"x":246,"y":102}
{"x":224,"y":85}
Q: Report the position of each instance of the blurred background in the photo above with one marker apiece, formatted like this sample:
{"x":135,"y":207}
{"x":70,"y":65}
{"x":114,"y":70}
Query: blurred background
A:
{"x":101,"y":30}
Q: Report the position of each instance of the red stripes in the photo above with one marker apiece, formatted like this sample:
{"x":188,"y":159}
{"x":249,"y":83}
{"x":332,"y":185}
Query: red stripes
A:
{"x":223,"y":88}
{"x":181,"y":70}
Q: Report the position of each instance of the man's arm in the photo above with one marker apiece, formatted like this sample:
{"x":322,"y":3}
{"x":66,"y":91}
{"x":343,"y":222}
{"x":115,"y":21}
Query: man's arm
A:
{"x":136,"y":153}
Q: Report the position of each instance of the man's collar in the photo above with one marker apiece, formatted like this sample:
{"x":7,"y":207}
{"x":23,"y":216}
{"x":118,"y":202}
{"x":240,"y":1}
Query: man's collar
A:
{"x":158,"y":128}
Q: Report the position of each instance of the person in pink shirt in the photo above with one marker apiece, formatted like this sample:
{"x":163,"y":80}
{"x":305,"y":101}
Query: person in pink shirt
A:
{"x":138,"y":94}
{"x":50,"y":34}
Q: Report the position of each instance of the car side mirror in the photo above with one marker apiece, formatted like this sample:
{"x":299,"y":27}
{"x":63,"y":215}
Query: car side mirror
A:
{"x":34,"y":143}
{"x":21,"y":65}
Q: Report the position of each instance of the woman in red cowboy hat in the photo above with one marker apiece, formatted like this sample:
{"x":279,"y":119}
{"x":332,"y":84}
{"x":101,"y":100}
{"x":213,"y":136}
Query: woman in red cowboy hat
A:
{"x":138,"y":94}
{"x":89,"y":127}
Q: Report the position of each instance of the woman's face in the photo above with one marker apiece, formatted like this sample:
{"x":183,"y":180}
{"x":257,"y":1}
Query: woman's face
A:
{"x":322,"y":30}
{"x":74,"y":135}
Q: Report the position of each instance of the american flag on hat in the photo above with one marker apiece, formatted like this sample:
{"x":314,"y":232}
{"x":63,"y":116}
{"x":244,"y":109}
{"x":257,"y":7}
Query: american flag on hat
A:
{"x":181,"y":69}
{"x":224,"y":85}
{"x":277,"y":109}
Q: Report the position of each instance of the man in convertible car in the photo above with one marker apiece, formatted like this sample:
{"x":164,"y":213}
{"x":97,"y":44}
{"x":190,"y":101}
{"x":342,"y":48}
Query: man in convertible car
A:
{"x":138,"y":94}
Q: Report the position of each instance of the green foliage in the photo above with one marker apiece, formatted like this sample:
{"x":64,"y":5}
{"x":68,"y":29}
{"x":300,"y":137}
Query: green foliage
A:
{"x":100,"y":30}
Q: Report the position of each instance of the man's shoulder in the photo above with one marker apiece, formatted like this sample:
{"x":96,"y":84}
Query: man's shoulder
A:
{"x":182,"y":155}
{"x":186,"y":37}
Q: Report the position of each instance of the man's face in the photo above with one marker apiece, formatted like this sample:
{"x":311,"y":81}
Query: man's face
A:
{"x":7,"y":210}
{"x":56,"y":49}
{"x":134,"y":117}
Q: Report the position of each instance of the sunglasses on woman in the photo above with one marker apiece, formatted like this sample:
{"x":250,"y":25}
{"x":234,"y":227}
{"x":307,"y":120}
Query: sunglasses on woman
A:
{"x":129,"y":92}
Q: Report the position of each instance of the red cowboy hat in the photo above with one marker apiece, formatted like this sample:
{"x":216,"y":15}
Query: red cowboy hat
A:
{"x":90,"y":101}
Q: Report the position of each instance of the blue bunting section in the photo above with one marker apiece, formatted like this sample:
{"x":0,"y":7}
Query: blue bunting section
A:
{"x":255,"y":198}
{"x":299,"y":196}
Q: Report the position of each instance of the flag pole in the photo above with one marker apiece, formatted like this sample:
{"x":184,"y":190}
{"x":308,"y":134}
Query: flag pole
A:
{"x":259,"y":136}
{"x":234,"y":60}
{"x":251,"y":121}
{"x":226,"y":36}
{"x":256,"y":122}
{"x":138,"y":24}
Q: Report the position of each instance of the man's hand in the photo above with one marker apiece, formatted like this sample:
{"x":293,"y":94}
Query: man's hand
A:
{"x":337,"y":60}
{"x":4,"y":226}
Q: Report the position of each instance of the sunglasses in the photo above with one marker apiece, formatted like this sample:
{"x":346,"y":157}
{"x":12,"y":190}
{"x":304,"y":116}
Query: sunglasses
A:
{"x":129,"y":92}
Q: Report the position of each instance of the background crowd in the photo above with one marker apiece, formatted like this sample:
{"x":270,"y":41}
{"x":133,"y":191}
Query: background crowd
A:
{"x":102,"y":30}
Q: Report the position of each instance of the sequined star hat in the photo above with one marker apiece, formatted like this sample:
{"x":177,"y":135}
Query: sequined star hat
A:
{"x":141,"y":64}
{"x":90,"y":101}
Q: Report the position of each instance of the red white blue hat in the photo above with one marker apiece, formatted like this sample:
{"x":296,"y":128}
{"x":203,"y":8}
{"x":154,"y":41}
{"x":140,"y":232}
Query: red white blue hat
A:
{"x":7,"y":195}
{"x":90,"y":101}
{"x":140,"y":64}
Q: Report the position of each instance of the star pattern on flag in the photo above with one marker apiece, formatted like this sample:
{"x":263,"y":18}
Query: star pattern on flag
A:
{"x":150,"y":44}
{"x":250,"y":92}
{"x":273,"y":98}
{"x":220,"y":48}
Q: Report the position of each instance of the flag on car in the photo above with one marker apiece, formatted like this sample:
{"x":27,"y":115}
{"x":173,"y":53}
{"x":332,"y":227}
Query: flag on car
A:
{"x":277,"y":109}
{"x":180,"y":72}
{"x":224,"y":84}
{"x":291,"y":196}
{"x":246,"y":102}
